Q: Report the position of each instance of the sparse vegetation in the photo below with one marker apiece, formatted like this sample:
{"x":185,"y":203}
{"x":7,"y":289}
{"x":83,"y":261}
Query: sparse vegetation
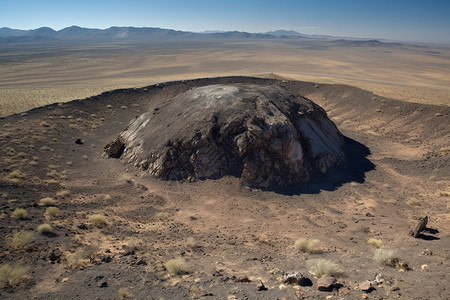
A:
{"x":81,"y":257}
{"x":52,"y":212}
{"x":124,"y":293}
{"x":383,"y":256}
{"x":21,"y":240}
{"x":375,"y":243}
{"x":47,"y":201}
{"x":307,"y":246}
{"x":44,"y":124}
{"x":107,"y":197}
{"x":19,"y":213}
{"x":413,"y":201}
{"x":190,"y":242}
{"x":16,"y":176}
{"x":45,"y":228}
{"x":322,"y":267}
{"x":12,"y":275}
{"x":163,"y":216}
{"x":62,"y":193}
{"x":176,"y":266}
{"x":98,"y":220}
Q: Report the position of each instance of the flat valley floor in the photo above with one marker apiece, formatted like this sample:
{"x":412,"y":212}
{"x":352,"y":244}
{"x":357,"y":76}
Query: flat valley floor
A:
{"x":231,"y":238}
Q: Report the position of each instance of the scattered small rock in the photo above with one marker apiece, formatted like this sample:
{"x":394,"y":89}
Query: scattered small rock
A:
{"x":300,"y":294}
{"x":427,"y":252}
{"x":103,"y":284}
{"x":244,"y":279}
{"x":261,"y":287}
{"x":79,"y":142}
{"x":297,"y":278}
{"x":82,"y":226}
{"x":365,"y":286}
{"x":421,"y":225}
{"x":55,"y":256}
{"x":326,"y":284}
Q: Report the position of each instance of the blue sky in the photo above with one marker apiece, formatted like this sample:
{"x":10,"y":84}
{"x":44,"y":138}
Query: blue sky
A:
{"x":408,"y":20}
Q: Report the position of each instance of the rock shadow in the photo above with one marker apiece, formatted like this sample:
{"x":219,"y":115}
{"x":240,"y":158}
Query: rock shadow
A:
{"x":354,"y":169}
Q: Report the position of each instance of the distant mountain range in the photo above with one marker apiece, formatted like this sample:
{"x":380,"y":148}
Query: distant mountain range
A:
{"x":43,"y":34}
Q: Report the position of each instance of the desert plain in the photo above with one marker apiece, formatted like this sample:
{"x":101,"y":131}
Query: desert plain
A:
{"x":115,"y":228}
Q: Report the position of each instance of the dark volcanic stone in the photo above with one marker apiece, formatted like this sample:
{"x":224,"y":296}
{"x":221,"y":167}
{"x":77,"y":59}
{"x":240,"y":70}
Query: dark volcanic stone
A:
{"x":262,"y":134}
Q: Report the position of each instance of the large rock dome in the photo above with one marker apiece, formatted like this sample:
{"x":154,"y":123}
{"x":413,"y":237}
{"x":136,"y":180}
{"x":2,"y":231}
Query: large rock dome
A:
{"x":263,"y":134}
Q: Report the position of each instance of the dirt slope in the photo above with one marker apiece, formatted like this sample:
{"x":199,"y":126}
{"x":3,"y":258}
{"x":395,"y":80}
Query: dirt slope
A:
{"x":399,"y":172}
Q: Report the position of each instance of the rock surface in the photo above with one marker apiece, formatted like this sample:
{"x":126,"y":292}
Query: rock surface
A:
{"x":326,"y":284}
{"x":262,"y":134}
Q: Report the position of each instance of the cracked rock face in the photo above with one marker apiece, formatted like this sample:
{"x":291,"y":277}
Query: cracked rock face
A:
{"x":262,"y":134}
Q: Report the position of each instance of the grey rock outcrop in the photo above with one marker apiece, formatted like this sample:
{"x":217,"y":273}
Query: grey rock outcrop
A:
{"x":263,"y":134}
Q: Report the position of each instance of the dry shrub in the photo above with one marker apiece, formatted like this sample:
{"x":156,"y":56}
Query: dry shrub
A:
{"x":19,"y":213}
{"x":413,"y":201}
{"x":45,"y":228}
{"x":190,"y":242}
{"x":20,"y":240}
{"x":47,"y":201}
{"x":383,"y":256}
{"x":176,"y":266}
{"x":80,"y":258}
{"x":125,"y":294}
{"x":375,"y":243}
{"x":322,"y":267}
{"x":52,"y":212}
{"x":16,"y":176}
{"x":307,"y":246}
{"x":12,"y":275}
{"x":62,"y":193}
{"x":98,"y":220}
{"x":163,"y":216}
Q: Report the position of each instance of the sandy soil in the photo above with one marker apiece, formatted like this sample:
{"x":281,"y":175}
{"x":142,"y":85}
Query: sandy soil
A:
{"x":38,"y":74}
{"x":397,"y":171}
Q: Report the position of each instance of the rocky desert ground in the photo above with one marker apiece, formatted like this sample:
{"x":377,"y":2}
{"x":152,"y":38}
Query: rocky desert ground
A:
{"x":114,"y":232}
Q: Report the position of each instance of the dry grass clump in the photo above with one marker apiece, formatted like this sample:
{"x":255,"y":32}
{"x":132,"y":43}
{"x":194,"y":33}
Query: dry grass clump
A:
{"x":383,"y":256}
{"x":44,"y":124}
{"x":52,"y":212}
{"x":413,"y":201}
{"x":322,"y":267}
{"x":12,"y":275}
{"x":375,"y":243}
{"x":62,"y":193}
{"x":20,"y":240}
{"x":190,"y":242}
{"x":107,"y":197}
{"x":124,"y":293}
{"x":163,"y":216}
{"x":80,"y":258}
{"x":307,"y":246}
{"x":176,"y":266}
{"x":47,"y":201}
{"x":19,"y":213}
{"x":16,"y":176}
{"x":45,"y":228}
{"x":98,"y":220}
